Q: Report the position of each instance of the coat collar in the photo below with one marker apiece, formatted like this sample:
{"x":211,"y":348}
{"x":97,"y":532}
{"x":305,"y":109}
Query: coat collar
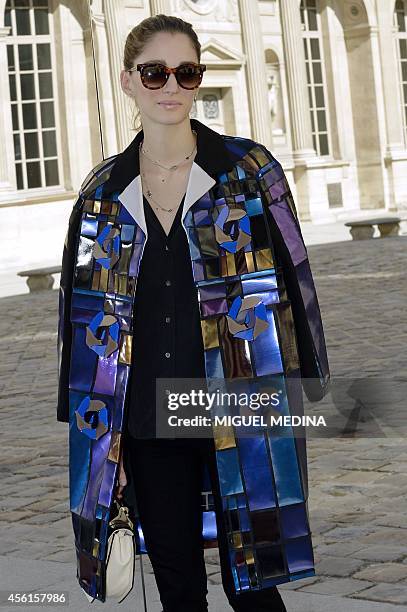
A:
{"x":212,"y":157}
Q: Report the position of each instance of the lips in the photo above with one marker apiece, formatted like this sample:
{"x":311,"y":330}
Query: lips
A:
{"x":169,"y":103}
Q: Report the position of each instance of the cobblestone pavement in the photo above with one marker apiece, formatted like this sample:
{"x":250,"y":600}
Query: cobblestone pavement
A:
{"x":358,"y":486}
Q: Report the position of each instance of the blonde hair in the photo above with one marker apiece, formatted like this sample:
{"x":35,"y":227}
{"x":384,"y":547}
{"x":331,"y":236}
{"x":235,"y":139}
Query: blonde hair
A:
{"x":142,"y":33}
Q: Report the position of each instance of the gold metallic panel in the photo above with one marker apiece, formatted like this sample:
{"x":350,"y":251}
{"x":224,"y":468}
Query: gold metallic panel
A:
{"x":96,"y":206}
{"x":210,"y":333}
{"x":223,"y":266}
{"x":259,"y":156}
{"x":110,"y":283}
{"x":95,"y":549}
{"x":286,"y":327}
{"x":264,"y":259}
{"x":125,"y":349}
{"x":105,"y":208}
{"x":122,"y":284}
{"x":114,"y":447}
{"x":224,"y":437}
{"x":104,"y":276}
{"x":250,"y":261}
{"x":237,"y":539}
{"x":248,"y":553}
{"x":88,"y":206}
{"x":96,"y":280}
{"x":206,"y":237}
{"x":231,"y":264}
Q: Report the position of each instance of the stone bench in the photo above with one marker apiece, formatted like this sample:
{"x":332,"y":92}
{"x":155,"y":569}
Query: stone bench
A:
{"x":40,"y":278}
{"x":363,"y":229}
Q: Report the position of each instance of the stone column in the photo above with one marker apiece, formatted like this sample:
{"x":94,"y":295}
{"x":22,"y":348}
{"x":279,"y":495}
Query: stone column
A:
{"x":301,"y":128}
{"x":396,"y":154}
{"x":392,"y":94}
{"x":256,"y":73}
{"x":308,"y":174}
{"x":6,"y":129}
{"x":116,"y":47}
{"x":107,"y":110}
{"x":160,"y":6}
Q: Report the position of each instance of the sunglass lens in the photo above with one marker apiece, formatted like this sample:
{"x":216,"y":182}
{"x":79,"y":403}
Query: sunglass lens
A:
{"x":154,"y":76}
{"x":189,"y":76}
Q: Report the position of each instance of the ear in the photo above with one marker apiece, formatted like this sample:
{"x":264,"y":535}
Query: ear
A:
{"x":125,"y":83}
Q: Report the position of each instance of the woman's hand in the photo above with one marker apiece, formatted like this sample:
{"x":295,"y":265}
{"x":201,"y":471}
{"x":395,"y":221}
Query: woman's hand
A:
{"x":122,"y":480}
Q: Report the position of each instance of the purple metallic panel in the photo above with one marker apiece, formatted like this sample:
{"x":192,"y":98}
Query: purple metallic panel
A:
{"x":310,"y":300}
{"x":106,"y":374}
{"x":99,"y":452}
{"x":289,"y":230}
{"x":107,"y":486}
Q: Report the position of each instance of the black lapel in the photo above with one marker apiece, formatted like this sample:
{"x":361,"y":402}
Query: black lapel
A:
{"x":212,"y":155}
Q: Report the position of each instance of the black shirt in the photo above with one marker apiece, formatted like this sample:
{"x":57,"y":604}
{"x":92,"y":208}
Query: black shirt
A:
{"x":167,"y":339}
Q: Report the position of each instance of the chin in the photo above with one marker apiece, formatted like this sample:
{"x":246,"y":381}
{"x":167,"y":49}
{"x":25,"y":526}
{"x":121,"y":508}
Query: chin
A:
{"x":175,"y":118}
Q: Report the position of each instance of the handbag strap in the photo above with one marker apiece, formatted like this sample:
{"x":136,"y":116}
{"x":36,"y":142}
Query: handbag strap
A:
{"x":142,"y":583}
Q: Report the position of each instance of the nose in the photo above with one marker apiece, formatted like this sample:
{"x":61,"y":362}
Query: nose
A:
{"x":171,"y":84}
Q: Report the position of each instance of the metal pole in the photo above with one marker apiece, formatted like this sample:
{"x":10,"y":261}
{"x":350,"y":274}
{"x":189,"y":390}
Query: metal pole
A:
{"x":96,"y":79}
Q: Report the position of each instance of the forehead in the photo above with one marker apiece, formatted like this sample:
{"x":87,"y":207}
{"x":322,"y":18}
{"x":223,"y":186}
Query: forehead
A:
{"x":170,"y":48}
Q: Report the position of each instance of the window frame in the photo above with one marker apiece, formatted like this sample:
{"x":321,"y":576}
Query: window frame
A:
{"x":307,"y":36}
{"x":15,"y":41}
{"x":399,"y":36}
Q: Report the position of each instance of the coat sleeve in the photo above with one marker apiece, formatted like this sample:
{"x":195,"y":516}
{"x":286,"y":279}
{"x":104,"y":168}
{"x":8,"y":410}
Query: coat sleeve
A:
{"x":292,"y":256}
{"x":96,"y":177}
{"x":64,"y":335}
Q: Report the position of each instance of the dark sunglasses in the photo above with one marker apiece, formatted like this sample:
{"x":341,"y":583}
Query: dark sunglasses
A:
{"x":155,"y":76}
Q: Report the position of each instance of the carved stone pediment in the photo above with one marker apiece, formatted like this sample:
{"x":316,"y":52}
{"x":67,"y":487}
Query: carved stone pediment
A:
{"x":217,"y":55}
{"x":217,"y":10}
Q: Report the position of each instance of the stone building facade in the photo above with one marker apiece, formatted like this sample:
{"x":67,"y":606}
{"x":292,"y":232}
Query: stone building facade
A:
{"x":322,"y":83}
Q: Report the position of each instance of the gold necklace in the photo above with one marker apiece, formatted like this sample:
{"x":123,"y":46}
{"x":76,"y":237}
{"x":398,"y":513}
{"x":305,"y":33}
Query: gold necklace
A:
{"x":150,"y":195}
{"x":171,"y":168}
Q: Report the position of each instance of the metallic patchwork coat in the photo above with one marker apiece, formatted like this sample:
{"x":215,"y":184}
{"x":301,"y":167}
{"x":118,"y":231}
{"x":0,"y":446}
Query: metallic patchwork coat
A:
{"x":261,"y":327}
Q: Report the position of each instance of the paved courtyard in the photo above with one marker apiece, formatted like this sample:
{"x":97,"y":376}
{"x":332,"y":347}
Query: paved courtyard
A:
{"x":358,"y":484}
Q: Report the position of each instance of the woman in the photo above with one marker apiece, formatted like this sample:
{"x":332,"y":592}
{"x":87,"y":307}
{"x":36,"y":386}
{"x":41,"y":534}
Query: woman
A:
{"x":184,"y":259}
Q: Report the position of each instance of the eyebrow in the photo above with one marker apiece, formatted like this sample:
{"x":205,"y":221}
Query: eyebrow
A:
{"x":162,"y":61}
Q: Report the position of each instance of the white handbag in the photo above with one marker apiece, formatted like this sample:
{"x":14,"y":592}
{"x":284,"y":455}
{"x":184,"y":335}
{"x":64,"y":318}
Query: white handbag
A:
{"x":120,"y":558}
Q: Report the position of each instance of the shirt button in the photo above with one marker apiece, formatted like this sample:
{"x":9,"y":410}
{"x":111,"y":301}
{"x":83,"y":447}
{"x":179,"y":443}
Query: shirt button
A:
{"x":168,"y":283}
{"x":167,"y":355}
{"x":167,"y":319}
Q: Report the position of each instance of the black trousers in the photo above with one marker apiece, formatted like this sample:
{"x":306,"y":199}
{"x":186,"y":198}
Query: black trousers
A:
{"x":167,"y":477}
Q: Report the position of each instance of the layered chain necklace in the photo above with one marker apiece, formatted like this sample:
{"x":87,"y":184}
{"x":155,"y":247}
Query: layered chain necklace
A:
{"x":170,"y":169}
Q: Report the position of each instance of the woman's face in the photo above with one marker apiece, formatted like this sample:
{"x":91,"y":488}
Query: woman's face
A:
{"x":171,"y":50}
